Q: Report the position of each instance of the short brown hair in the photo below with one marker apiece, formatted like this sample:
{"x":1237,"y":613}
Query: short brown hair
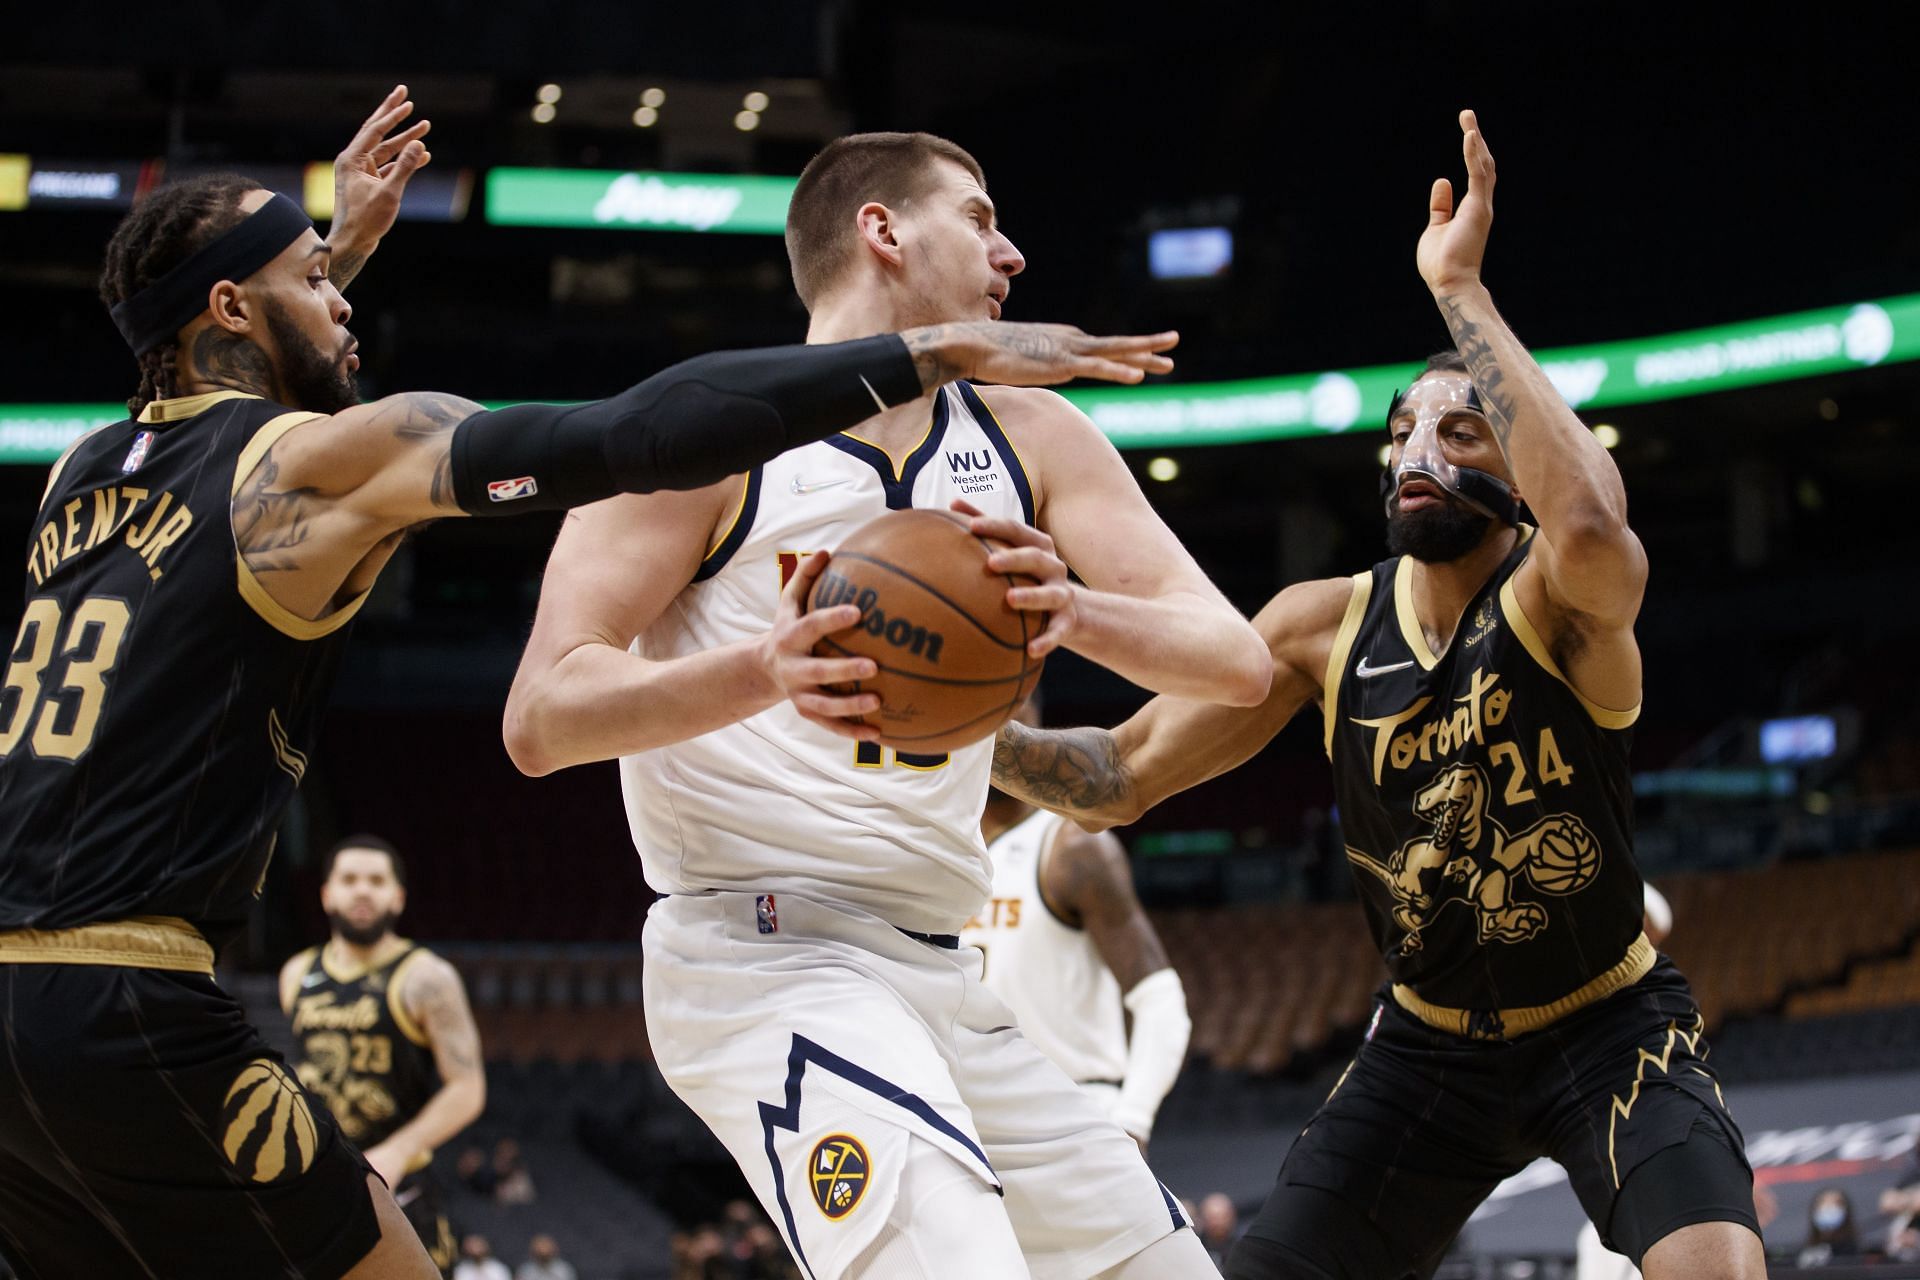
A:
{"x":892,"y":168}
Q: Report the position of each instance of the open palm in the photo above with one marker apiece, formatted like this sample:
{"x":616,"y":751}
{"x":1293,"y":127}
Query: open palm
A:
{"x":1455,"y":242}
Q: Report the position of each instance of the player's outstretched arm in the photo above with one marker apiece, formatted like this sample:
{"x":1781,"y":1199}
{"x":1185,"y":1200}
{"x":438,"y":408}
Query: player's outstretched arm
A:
{"x":1146,"y":609}
{"x":327,"y":493}
{"x":1087,"y":877}
{"x":1104,"y":778}
{"x":436,"y":1000}
{"x":1593,"y":567}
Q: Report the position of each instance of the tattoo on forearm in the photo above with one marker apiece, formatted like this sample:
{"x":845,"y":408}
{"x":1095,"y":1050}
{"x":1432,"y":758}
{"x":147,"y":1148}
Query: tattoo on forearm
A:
{"x":924,"y":345}
{"x":429,"y":416}
{"x":344,"y":267}
{"x":229,"y":360}
{"x":1484,"y":366}
{"x":1079,"y":770}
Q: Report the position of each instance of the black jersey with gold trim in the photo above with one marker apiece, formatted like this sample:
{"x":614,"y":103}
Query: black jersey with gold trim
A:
{"x":157,"y":705}
{"x":360,"y":1052}
{"x":1485,"y":804}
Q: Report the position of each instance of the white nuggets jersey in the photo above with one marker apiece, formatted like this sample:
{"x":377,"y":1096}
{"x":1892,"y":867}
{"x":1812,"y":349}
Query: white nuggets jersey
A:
{"x":1049,"y":973}
{"x":774,"y":804}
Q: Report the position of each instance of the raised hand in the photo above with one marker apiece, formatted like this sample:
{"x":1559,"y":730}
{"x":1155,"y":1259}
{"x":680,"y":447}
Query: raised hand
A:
{"x":787,"y":654}
{"x":1033,"y":355}
{"x":369,"y":177}
{"x":1455,"y":241}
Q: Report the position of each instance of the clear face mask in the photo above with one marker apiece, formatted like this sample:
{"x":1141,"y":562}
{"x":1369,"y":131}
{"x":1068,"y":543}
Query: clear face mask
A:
{"x":1422,"y":458}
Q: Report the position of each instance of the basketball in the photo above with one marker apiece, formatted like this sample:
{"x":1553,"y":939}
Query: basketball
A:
{"x":1567,"y":859}
{"x":935,"y":620}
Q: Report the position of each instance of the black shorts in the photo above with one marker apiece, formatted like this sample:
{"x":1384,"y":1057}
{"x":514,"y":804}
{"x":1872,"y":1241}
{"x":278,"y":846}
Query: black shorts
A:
{"x":147,"y":1131}
{"x":418,"y":1196}
{"x":1425,"y":1123}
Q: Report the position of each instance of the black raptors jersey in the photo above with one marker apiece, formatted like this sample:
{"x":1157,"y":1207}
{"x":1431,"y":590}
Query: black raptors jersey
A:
{"x":1486,"y":808}
{"x":157,"y":705}
{"x":359,"y":1051}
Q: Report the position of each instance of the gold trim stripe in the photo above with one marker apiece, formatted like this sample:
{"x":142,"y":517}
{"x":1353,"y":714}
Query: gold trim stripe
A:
{"x":277,"y":615}
{"x":1536,"y":648}
{"x":397,"y":1007}
{"x":140,"y":942}
{"x":746,"y":483}
{"x":182,"y":407}
{"x":1342,"y":650}
{"x":1514,"y":1022}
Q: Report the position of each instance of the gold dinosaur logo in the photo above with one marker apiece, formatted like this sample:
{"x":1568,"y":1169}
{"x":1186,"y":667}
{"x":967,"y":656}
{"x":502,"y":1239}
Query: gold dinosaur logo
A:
{"x":1469,"y":857}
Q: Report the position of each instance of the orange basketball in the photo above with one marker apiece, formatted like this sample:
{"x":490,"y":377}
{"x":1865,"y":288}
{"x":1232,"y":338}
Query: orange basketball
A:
{"x":952,"y":655}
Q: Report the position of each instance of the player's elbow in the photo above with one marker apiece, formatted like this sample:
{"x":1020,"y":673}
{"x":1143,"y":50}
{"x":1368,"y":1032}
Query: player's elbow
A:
{"x":1245,"y":670}
{"x":528,"y":736}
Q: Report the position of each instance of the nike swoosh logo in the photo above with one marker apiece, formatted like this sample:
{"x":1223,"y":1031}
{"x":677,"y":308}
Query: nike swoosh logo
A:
{"x":800,"y":486}
{"x":1366,"y":672}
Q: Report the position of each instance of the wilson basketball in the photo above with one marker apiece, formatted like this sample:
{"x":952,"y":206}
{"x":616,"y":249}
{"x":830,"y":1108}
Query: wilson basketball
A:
{"x":935,"y":620}
{"x":1567,"y":860}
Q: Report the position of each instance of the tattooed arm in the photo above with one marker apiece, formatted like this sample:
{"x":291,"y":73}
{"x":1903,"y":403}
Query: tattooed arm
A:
{"x":1103,"y":778}
{"x":1583,"y":583}
{"x":435,"y":999}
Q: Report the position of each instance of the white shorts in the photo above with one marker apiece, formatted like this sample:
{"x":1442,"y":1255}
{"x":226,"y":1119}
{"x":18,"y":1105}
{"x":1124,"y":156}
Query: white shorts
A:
{"x":827,"y":1049}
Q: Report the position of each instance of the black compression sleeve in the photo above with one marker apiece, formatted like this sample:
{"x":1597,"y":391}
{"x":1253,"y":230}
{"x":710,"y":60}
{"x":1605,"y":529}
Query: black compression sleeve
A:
{"x":691,"y":425}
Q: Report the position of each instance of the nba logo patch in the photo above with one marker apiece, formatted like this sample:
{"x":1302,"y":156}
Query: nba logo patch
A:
{"x":509,"y":490}
{"x":766,"y":914}
{"x":1375,"y":1024}
{"x":138,"y":453}
{"x":837,"y":1171}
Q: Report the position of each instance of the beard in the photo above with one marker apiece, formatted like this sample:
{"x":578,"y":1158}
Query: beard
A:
{"x":363,"y":935}
{"x":1437,"y":534}
{"x":310,"y":379}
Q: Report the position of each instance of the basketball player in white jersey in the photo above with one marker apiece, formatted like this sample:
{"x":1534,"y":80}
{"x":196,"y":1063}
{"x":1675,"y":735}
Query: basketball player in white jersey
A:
{"x":805,"y":990}
{"x":1066,"y":943}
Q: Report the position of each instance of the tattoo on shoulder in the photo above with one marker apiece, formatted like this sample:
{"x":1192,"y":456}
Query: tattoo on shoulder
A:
{"x":1073,"y":769}
{"x":270,"y":524}
{"x":1484,"y":366}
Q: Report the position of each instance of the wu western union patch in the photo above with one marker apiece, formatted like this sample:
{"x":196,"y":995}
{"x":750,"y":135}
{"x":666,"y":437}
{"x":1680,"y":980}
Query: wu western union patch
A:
{"x":266,"y":1130}
{"x":838,"y":1171}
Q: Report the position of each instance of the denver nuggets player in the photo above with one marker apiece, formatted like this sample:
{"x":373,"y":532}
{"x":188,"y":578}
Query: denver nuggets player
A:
{"x":1479,"y":691}
{"x":1065,"y":942}
{"x":805,"y":990}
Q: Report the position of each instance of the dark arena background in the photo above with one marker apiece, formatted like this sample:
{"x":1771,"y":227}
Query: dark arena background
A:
{"x":1705,"y":230}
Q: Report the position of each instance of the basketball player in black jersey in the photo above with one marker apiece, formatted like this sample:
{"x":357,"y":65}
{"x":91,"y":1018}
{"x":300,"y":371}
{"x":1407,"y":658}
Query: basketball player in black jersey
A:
{"x":386,"y":1037}
{"x":1478,"y":691}
{"x":189,"y":584}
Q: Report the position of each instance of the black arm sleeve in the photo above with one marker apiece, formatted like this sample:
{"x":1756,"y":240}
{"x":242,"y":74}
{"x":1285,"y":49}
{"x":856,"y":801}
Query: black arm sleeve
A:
{"x":691,"y":425}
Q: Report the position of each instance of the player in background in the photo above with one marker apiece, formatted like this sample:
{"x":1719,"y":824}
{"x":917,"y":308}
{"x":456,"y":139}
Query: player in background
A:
{"x":1068,"y":946}
{"x":805,"y":990}
{"x":387,"y":1040}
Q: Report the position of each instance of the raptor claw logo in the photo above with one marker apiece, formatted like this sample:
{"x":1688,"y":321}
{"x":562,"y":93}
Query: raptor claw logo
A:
{"x":837,"y":1171}
{"x":1469,"y":857}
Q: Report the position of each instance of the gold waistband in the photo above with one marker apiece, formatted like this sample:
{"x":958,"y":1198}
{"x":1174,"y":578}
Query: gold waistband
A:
{"x":140,"y":942}
{"x":1504,"y":1024}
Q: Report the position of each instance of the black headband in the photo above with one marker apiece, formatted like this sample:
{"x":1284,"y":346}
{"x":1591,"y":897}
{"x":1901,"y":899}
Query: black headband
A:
{"x":156,"y":313}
